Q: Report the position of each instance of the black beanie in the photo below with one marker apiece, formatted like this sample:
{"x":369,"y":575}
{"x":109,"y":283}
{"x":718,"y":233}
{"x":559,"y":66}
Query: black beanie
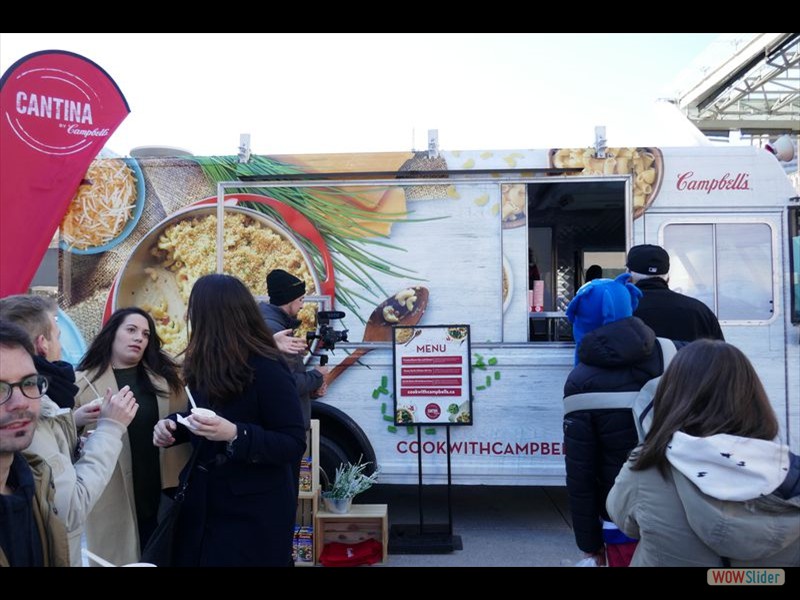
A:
{"x":283,"y":287}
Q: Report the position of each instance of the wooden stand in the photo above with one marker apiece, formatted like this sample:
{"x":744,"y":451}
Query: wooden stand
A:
{"x":364,"y":521}
{"x":308,"y":501}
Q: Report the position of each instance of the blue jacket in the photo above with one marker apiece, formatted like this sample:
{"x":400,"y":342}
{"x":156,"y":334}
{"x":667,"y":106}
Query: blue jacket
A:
{"x":240,"y":505}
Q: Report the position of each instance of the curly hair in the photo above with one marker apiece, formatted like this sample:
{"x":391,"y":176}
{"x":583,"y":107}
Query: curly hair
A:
{"x":154,"y":360}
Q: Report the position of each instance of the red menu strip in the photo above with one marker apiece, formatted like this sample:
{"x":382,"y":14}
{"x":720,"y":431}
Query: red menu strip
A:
{"x":430,"y":371}
{"x":431,"y":360}
{"x":439,"y":382}
{"x":430,"y":392}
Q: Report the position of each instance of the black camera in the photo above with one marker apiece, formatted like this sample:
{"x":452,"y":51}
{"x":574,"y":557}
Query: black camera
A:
{"x":327,"y":335}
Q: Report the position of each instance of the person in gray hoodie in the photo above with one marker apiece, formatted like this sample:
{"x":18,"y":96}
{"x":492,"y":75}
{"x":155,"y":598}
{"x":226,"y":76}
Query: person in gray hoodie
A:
{"x":712,"y":486}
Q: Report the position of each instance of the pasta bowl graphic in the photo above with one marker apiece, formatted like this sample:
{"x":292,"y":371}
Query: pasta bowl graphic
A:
{"x":106,"y":208}
{"x":161,"y":270}
{"x":645,"y":165}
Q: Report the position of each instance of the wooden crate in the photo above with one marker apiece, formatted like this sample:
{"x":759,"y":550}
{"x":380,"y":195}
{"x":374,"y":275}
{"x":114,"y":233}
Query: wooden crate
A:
{"x":364,"y":521}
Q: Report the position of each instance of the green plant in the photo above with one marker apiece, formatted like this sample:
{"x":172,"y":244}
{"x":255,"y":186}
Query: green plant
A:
{"x":350,"y":480}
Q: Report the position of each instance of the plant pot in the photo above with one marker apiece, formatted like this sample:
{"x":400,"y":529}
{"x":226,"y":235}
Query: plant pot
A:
{"x":337,"y":505}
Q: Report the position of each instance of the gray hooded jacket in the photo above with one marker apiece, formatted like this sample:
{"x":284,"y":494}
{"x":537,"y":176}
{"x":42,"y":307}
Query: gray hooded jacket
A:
{"x":715,"y":502}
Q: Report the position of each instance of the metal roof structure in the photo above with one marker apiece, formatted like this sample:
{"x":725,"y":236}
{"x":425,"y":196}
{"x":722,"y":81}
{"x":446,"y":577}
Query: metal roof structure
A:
{"x":751,"y":85}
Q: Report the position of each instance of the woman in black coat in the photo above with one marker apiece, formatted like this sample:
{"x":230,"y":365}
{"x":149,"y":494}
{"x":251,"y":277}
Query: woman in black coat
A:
{"x":242,"y":497}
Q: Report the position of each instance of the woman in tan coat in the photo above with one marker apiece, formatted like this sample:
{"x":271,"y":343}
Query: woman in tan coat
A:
{"x":127,"y":351}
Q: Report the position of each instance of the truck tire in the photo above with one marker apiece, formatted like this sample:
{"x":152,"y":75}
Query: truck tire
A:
{"x":340,"y":440}
{"x":331,"y":456}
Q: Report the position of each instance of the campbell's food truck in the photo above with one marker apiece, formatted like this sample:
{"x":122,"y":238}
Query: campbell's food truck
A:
{"x":423,"y":251}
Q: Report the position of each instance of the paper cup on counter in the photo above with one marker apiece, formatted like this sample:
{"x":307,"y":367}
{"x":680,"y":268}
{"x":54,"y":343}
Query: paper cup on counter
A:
{"x":536,"y":296}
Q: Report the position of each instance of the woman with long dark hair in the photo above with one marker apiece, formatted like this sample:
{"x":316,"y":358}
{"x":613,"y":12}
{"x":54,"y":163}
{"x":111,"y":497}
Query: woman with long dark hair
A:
{"x":240,"y":506}
{"x":127,"y":351}
{"x":711,"y":486}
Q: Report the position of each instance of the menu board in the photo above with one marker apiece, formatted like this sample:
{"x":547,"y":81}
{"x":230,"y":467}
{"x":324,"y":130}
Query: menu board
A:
{"x":432,"y":375}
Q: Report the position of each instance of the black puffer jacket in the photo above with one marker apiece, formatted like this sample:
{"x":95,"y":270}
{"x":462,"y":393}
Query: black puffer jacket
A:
{"x":618,"y":357}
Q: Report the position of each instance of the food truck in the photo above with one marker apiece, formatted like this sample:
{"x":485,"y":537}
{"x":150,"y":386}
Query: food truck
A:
{"x":480,"y":246}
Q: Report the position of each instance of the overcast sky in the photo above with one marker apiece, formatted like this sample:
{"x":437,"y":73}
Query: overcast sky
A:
{"x":298,"y":93}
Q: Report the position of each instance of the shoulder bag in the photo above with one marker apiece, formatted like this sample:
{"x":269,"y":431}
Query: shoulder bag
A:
{"x":160,"y":546}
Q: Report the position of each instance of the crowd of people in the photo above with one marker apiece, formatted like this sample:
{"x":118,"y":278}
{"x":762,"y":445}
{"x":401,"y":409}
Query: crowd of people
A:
{"x":102,"y":450}
{"x":709,"y":484}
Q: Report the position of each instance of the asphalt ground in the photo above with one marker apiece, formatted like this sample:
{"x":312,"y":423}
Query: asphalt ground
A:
{"x":498,"y":526}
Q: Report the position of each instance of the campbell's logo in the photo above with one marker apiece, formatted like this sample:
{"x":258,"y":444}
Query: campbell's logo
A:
{"x":432,"y":411}
{"x":55,"y":111}
{"x":688,"y":182}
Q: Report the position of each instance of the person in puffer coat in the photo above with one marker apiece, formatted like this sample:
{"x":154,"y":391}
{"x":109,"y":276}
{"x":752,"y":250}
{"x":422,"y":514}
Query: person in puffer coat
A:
{"x":712,"y":485}
{"x":615,"y":352}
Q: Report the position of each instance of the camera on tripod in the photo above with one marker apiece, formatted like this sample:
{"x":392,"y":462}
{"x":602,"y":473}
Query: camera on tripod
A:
{"x":327,"y":335}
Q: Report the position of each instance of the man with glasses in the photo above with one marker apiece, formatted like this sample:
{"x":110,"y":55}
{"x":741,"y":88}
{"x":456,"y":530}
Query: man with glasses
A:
{"x":30,"y":533}
{"x":80,"y":474}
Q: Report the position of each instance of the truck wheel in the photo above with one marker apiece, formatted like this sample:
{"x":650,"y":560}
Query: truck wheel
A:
{"x":331,"y":455}
{"x":340,"y":440}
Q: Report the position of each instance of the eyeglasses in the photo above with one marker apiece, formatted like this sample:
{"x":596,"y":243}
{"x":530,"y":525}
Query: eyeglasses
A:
{"x":33,"y":387}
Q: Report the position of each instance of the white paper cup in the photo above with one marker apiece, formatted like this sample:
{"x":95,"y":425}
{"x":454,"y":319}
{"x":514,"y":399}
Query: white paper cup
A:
{"x":96,"y":402}
{"x":206,"y":413}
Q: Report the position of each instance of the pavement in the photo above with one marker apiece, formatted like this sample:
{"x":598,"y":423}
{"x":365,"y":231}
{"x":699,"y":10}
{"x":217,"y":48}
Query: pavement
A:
{"x":498,"y":526}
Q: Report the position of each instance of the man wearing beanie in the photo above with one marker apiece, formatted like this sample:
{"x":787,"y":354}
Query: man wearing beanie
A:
{"x":669,"y":314}
{"x":286,"y":296}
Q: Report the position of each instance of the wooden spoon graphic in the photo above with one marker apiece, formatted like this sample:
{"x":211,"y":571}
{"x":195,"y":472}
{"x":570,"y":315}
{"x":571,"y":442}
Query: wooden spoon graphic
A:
{"x":379,"y":329}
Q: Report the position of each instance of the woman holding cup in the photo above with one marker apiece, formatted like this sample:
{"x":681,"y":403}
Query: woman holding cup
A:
{"x":239,"y":509}
{"x":127,"y":351}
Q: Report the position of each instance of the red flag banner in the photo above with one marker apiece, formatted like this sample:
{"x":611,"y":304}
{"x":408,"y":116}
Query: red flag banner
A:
{"x":58,"y":109}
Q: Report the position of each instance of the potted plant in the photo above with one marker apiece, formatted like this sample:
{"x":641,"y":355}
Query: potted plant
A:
{"x":349,"y":481}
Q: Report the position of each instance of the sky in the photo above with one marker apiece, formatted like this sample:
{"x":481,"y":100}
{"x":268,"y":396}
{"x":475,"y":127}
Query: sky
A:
{"x":306,"y":93}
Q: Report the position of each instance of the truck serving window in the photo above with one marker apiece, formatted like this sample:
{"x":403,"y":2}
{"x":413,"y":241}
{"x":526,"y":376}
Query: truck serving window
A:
{"x":727,"y":266}
{"x":572,"y":225}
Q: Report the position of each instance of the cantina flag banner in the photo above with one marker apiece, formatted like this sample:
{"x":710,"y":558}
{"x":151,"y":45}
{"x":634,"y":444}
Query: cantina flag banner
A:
{"x":58,"y":109}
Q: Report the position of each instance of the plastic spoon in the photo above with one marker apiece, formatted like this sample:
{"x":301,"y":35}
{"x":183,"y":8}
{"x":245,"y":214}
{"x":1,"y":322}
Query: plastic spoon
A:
{"x":191,"y":398}
{"x":100,"y":561}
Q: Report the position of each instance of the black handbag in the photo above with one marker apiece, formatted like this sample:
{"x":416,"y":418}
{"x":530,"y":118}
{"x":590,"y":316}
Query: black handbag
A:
{"x":160,"y":547}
